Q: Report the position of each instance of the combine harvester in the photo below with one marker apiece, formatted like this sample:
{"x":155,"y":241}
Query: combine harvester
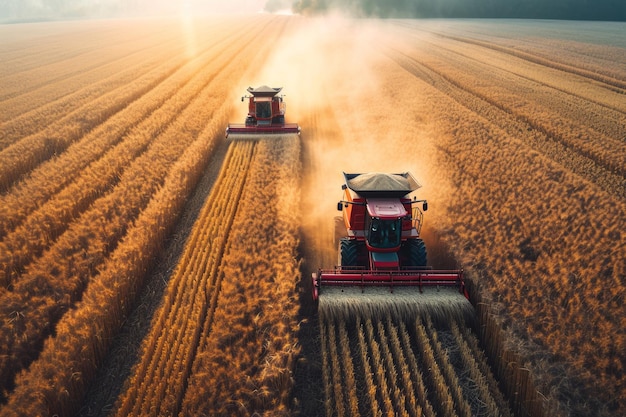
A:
{"x":266,"y":116}
{"x":382,"y":259}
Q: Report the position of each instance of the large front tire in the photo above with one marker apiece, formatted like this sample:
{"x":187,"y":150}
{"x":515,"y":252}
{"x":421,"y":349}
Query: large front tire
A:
{"x":415,"y":253}
{"x":348,"y":252}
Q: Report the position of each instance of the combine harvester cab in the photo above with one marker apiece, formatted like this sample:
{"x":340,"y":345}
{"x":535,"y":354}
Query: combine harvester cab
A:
{"x":266,"y":116}
{"x":383,"y":265}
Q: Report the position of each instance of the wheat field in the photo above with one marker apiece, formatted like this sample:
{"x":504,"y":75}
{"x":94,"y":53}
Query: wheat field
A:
{"x":115,"y":179}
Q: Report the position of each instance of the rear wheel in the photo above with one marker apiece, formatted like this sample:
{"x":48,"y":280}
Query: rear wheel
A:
{"x":415,"y":253}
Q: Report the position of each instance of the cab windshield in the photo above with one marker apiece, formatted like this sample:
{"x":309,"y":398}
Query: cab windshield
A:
{"x":384,"y":234}
{"x":263,"y":109}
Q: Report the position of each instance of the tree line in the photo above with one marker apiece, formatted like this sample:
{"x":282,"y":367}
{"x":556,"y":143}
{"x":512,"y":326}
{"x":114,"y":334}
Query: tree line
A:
{"x":611,"y":10}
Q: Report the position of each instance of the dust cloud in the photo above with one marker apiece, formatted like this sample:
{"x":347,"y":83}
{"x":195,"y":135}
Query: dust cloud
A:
{"x":352,"y":111}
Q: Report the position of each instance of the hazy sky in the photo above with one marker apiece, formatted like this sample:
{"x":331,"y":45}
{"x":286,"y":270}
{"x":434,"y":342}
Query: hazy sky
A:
{"x":55,"y":9}
{"x":205,"y":5}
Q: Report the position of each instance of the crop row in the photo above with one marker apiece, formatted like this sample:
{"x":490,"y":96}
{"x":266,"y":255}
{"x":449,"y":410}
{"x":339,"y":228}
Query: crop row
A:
{"x":550,"y":110}
{"x":246,"y":363}
{"x":158,"y":381}
{"x":25,"y":113}
{"x":55,"y":280}
{"x":91,"y":129}
{"x":43,"y":208}
{"x":598,"y":57}
{"x":55,"y":383}
{"x":103,"y":243}
{"x":23,"y":155}
{"x":388,"y":367}
{"x":223,"y":340}
{"x":92,"y":75}
{"x":44,"y":54}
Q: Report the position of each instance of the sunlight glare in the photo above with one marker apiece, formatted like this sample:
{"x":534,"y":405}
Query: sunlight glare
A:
{"x":187,"y":27}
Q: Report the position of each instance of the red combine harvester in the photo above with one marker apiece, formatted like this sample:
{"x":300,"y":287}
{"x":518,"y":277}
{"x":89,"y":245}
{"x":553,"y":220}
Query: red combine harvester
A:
{"x":266,"y":114}
{"x":382,"y":247}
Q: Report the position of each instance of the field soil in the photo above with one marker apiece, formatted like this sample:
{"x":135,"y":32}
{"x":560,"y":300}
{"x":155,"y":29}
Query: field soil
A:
{"x":112,"y":155}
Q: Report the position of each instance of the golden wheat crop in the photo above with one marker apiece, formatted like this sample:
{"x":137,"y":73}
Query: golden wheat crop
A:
{"x":158,"y":381}
{"x":97,"y":246}
{"x":209,"y":309}
{"x":516,"y":135}
{"x":58,"y":277}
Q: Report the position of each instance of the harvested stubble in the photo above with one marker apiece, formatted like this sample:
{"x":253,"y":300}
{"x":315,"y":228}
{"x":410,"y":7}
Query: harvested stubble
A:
{"x":449,"y":373}
{"x":479,"y":374}
{"x":346,"y":361}
{"x":384,"y":342}
{"x":435,"y":377}
{"x":412,"y":377}
{"x":336,"y":384}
